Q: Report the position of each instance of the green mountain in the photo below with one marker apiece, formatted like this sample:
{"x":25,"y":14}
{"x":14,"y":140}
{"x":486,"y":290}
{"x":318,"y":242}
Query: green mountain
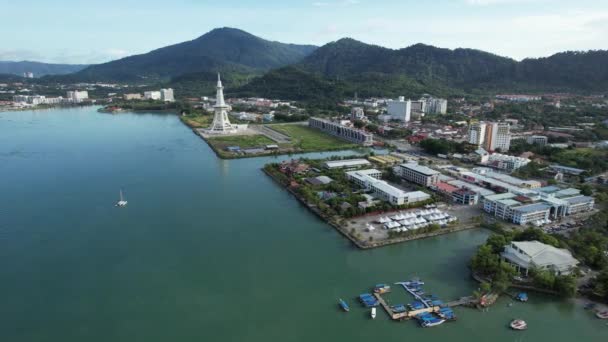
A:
{"x":223,"y":49}
{"x":372,"y":70}
{"x":39,"y":69}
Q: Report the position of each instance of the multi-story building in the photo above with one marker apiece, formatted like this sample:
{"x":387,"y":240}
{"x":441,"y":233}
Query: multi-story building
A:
{"x":579,"y":204}
{"x":166,"y":95}
{"x":348,"y":133}
{"x":477,"y":133}
{"x":506,"y":162}
{"x":490,"y":135}
{"x":28,"y":74}
{"x":536,"y":212}
{"x":400,"y":110}
{"x":419,"y":106}
{"x":76,"y":96}
{"x":497,"y":136}
{"x":537,"y":140}
{"x":357,"y":113}
{"x":152,"y":95}
{"x":436,"y":106}
{"x":418,"y":174}
{"x":465,"y":196}
{"x":369,"y":180}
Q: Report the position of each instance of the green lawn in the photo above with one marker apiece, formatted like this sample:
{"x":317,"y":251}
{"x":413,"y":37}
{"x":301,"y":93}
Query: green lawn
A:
{"x":244,"y":141}
{"x":308,"y":139}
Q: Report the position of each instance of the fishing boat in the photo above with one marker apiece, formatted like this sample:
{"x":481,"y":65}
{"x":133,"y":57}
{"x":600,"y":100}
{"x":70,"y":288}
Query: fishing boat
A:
{"x":343,"y":305}
{"x":121,"y":202}
{"x":518,"y":324}
{"x":373,"y":313}
{"x":602,"y":314}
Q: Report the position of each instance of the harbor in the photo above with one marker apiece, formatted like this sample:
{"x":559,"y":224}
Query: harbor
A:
{"x":147,"y":275}
{"x":428,"y":310}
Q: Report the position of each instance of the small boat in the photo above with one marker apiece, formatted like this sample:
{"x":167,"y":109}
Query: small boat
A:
{"x":382,"y":288}
{"x":121,"y":202}
{"x":522,"y":297}
{"x":590,"y":306}
{"x":343,"y":305}
{"x":518,"y":324}
{"x":602,"y":314}
{"x":373,"y":313}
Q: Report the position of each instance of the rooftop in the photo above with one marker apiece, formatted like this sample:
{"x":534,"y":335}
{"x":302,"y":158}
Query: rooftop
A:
{"x":346,"y":163}
{"x":542,"y":254}
{"x":531,"y":208}
{"x":427,"y":171}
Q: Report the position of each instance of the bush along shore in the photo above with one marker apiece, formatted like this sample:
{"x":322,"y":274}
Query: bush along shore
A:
{"x":336,"y":204}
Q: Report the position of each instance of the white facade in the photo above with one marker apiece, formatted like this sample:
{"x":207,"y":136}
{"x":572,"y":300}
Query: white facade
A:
{"x":490,"y":135}
{"x":477,"y":133}
{"x":166,"y":95}
{"x":418,"y":174}
{"x":526,"y":255}
{"x":152,"y":95}
{"x":77,"y":96}
{"x":346,"y":163}
{"x":400,"y":110}
{"x":436,"y":106}
{"x":370,"y":180}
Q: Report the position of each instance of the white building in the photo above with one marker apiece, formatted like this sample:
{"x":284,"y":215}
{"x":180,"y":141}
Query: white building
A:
{"x":77,"y":96}
{"x":497,"y":136}
{"x":526,"y":255}
{"x":152,"y":95}
{"x":436,"y":106}
{"x":418,"y":174}
{"x":357,"y":113}
{"x":166,"y":95}
{"x":506,"y":162}
{"x":490,"y":135}
{"x":346,"y":163}
{"x":348,"y":133}
{"x":477,"y":133}
{"x":369,"y":180}
{"x":400,"y":110}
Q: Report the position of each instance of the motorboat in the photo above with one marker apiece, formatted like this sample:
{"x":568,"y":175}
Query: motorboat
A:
{"x":122,"y":202}
{"x":343,"y":305}
{"x":602,"y":314}
{"x":518,"y":324}
{"x":373,"y":313}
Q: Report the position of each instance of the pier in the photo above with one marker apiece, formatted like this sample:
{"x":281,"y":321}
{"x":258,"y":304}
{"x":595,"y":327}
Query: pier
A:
{"x":429,"y":308}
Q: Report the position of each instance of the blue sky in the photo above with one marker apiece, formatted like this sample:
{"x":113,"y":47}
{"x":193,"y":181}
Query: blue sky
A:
{"x":69,"y":31}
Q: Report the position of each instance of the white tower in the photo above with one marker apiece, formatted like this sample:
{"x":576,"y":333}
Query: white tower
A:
{"x":221,"y":124}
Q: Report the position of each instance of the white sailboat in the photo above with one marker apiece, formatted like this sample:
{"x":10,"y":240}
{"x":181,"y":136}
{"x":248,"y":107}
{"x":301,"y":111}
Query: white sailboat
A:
{"x":373,"y":313}
{"x":121,"y":202}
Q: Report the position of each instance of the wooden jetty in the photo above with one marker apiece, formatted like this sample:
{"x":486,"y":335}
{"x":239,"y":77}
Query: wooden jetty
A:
{"x":400,"y":316}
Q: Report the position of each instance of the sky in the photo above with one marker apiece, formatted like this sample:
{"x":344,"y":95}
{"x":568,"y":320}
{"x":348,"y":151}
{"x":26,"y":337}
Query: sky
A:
{"x":70,"y":31}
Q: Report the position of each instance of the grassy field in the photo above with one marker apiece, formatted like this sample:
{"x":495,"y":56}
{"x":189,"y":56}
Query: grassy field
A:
{"x":308,"y":139}
{"x":197,"y":121}
{"x":244,"y":141}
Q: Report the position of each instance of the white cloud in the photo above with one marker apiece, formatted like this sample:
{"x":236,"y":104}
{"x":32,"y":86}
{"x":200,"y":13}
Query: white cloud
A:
{"x":496,"y":2}
{"x":341,"y":3}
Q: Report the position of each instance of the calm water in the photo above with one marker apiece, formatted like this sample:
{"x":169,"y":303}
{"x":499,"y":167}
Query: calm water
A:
{"x":207,"y":250}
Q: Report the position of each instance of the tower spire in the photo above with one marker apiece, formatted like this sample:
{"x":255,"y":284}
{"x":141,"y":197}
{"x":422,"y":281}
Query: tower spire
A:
{"x":221,"y":124}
